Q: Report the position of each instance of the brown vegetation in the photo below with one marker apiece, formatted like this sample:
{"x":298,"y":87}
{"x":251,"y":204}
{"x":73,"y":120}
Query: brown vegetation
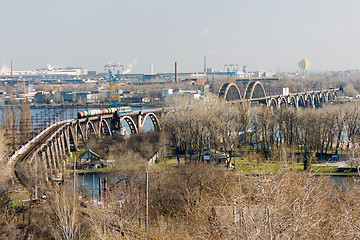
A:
{"x":194,"y":202}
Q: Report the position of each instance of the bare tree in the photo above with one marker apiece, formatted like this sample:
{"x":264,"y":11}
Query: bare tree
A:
{"x":64,"y":214}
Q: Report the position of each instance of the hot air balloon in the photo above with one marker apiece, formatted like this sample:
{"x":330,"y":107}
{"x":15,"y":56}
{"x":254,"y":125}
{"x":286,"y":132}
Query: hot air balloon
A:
{"x":304,"y":64}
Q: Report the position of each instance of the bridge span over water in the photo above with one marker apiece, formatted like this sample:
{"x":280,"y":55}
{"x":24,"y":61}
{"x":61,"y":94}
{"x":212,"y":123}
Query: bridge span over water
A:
{"x":255,"y":92}
{"x":49,"y":151}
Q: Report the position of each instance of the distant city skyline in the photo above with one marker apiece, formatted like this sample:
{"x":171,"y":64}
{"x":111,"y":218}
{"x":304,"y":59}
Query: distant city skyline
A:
{"x":266,"y":35}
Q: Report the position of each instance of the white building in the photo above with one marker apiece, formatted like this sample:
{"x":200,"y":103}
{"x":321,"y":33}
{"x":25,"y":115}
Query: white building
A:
{"x":167,"y":92}
{"x":69,"y":71}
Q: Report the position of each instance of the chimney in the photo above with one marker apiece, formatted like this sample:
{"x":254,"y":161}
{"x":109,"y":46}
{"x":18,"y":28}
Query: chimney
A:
{"x":151,"y":68}
{"x":176,"y":76}
{"x":205,"y":64}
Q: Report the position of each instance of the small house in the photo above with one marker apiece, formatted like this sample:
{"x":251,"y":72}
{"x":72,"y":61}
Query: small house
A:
{"x":89,"y":160}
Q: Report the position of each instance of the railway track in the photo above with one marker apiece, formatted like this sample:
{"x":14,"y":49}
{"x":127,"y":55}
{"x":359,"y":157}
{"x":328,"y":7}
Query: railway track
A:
{"x":20,"y":158}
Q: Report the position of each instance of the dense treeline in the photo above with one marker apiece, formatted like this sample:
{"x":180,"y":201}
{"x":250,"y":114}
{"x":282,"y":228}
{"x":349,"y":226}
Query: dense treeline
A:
{"x":203,"y":125}
{"x":193,"y":128}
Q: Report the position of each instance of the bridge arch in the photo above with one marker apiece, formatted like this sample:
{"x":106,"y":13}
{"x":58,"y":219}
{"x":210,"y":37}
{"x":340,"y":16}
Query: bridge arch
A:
{"x":309,"y":101}
{"x":80,"y":134}
{"x":154,"y":120}
{"x":322,"y":98}
{"x":131,"y":124}
{"x":282,"y":102}
{"x":273,"y":103}
{"x":317,"y":102}
{"x":292,"y":102}
{"x":229,"y":92}
{"x":254,"y":90}
{"x":90,"y":128}
{"x":301,"y":101}
{"x":73,"y":139}
{"x":104,"y":128}
{"x":328,"y":96}
{"x":334,"y":95}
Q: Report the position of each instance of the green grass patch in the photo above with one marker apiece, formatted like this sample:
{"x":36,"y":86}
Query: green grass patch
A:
{"x":264,"y":167}
{"x":76,"y":154}
{"x":323,"y":169}
{"x":256,"y":167}
{"x":167,"y":163}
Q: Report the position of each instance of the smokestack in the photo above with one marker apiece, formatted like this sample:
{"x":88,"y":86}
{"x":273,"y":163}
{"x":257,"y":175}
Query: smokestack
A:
{"x":205,"y":64}
{"x":176,"y":76}
{"x":11,"y":68}
{"x":151,"y":68}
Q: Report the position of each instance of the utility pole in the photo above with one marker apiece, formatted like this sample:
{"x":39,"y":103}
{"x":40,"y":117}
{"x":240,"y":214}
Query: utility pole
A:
{"x":74,"y":175}
{"x":36,"y":190}
{"x":176,"y":74}
{"x":147,"y":199}
{"x":93,"y":190}
{"x":99,"y":200}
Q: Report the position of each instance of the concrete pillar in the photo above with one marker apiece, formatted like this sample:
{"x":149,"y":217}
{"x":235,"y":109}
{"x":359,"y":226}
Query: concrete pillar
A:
{"x":45,"y":168}
{"x":49,"y":160}
{"x":63,"y":147}
{"x":139,"y":122}
{"x":74,"y":129}
{"x":99,"y":126}
{"x":67,"y":139}
{"x":60,"y":152}
{"x":53,"y":159}
{"x":58,"y":146}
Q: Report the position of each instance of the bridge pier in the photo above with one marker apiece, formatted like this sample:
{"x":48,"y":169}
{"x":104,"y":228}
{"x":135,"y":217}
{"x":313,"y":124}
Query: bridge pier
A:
{"x":139,"y":121}
{"x":67,"y":139}
{"x":44,"y":160}
{"x":49,"y":160}
{"x":73,"y":132}
{"x":58,"y":150}
{"x":54,"y":158}
{"x":64,"y":153}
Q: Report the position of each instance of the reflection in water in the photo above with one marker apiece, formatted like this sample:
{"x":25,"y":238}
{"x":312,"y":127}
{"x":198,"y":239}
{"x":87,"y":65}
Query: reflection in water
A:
{"x":89,"y":182}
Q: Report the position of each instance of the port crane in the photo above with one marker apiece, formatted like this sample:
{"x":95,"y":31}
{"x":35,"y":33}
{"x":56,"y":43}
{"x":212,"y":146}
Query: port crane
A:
{"x":114,"y":81}
{"x":232,"y":70}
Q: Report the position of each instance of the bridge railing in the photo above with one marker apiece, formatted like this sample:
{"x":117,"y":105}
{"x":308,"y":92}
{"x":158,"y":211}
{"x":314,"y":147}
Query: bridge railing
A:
{"x":23,"y":149}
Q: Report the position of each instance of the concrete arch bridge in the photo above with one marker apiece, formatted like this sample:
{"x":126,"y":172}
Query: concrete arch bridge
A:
{"x":49,"y":151}
{"x":255,"y":92}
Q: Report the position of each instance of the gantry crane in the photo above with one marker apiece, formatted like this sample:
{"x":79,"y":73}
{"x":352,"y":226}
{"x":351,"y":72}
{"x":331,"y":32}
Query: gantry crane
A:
{"x":232,"y":70}
{"x":114,"y":81}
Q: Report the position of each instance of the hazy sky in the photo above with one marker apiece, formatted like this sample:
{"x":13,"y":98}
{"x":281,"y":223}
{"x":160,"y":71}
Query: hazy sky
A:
{"x":262,"y":34}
